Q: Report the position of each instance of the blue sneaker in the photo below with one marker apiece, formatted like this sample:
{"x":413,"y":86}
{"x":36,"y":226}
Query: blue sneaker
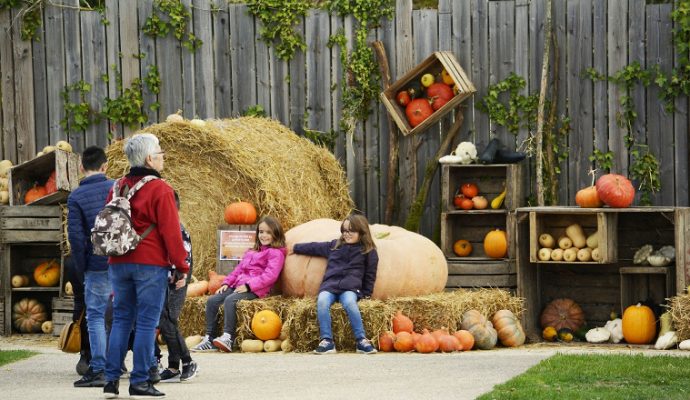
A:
{"x":364,"y":346}
{"x":326,"y":346}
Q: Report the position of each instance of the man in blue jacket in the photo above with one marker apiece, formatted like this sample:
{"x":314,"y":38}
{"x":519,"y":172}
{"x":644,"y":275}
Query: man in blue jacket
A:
{"x":83,"y":204}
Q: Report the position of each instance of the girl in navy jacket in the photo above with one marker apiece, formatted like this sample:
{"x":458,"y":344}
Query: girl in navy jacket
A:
{"x":350,"y":275}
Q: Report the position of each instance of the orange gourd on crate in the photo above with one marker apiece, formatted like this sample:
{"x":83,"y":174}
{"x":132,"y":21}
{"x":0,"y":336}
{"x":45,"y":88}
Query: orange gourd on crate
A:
{"x":496,"y":244}
{"x":34,"y":194}
{"x":47,"y":274}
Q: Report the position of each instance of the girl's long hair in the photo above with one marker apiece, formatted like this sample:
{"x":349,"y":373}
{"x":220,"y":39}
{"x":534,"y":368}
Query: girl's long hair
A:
{"x":359,"y":224}
{"x":277,"y":234}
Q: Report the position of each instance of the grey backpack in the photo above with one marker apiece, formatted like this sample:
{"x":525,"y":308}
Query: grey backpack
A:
{"x":113,"y":233}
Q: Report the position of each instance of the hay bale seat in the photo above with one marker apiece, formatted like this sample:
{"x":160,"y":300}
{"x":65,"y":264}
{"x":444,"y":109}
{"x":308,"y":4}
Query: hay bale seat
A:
{"x":301,"y":327}
{"x":250,"y":159}
{"x":680,"y":314}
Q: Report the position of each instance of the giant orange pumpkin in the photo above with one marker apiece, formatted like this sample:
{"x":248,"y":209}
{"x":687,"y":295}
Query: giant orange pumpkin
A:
{"x":563,"y":313}
{"x":496,"y":244}
{"x":28,"y":315}
{"x":615,"y":190}
{"x":34,"y":194}
{"x":240,"y":213}
{"x":409,"y":263}
{"x":266,"y":325}
{"x":639,"y":326}
{"x":47,"y":274}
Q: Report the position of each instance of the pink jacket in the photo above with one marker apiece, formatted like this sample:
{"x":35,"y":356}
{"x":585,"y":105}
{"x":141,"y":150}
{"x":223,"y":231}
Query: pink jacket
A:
{"x":258,"y":269}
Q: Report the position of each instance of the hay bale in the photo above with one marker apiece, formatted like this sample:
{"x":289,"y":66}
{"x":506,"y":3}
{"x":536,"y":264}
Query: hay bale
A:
{"x":680,"y":314}
{"x":251,"y":159}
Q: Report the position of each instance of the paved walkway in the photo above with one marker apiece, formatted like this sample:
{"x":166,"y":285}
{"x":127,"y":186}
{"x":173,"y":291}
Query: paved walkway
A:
{"x":298,"y":376}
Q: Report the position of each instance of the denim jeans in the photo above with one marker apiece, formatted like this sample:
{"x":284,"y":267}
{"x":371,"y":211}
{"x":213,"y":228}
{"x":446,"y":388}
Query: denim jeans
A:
{"x":323,"y":312}
{"x":96,"y":293}
{"x":229,"y":300}
{"x":139,"y":291}
{"x":172,"y":307}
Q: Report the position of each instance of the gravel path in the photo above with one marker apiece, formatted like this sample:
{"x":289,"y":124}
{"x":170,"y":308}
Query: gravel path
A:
{"x":299,"y":376}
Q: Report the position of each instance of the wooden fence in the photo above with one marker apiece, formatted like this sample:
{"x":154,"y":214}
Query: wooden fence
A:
{"x":234,"y":70}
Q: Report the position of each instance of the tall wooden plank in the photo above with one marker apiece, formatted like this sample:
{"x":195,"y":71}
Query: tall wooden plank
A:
{"x":637,"y":45}
{"x":40,"y":93}
{"x":521,"y":55}
{"x":337,"y":95}
{"x":599,"y":110}
{"x":579,"y":94}
{"x":188,"y":71}
{"x":617,"y":59}
{"x":462,"y":48}
{"x":297,"y":86}
{"x":371,"y":157}
{"x":355,"y":143}
{"x":147,"y":46}
{"x":112,"y":45}
{"x":168,"y":48}
{"x":9,"y":134}
{"x":242,"y":58}
{"x":386,"y":34}
{"x":480,"y":66}
{"x":129,"y":48}
{"x":202,"y":19}
{"x":263,"y":69}
{"x":318,"y":71}
{"x":221,"y":49}
{"x":24,"y":106}
{"x":93,"y":66}
{"x":73,"y":63}
{"x":659,"y":122}
{"x":680,"y":148}
{"x":501,"y":54}
{"x":55,"y":63}
{"x":404,"y":53}
{"x":559,"y":25}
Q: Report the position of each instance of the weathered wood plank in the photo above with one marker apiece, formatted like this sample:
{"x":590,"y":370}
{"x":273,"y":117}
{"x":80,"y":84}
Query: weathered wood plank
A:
{"x":93,"y":43}
{"x":203,"y":59}
{"x":221,"y":48}
{"x":617,"y":59}
{"x":318,"y":71}
{"x":599,"y":102}
{"x":263,"y":73}
{"x":297,"y":86}
{"x":112,"y":34}
{"x":339,"y":151}
{"x":404,"y":55}
{"x":386,"y":34}
{"x":9,"y":134}
{"x":521,"y":56}
{"x":40,"y":90}
{"x":461,"y":21}
{"x":147,"y":46}
{"x":501,"y":54}
{"x":73,"y":65}
{"x":188,"y":72}
{"x":480,"y":67}
{"x":558,"y":11}
{"x":168,"y":48}
{"x":129,"y":49}
{"x":55,"y":64}
{"x":637,"y":43}
{"x":242,"y":59}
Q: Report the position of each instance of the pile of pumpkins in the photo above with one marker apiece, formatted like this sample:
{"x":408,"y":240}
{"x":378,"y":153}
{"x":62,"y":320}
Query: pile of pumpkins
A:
{"x":611,"y":189}
{"x":495,"y":245}
{"x":425,"y":95}
{"x":476,"y":332}
{"x":30,"y":315}
{"x":46,"y":274}
{"x":573,"y":246}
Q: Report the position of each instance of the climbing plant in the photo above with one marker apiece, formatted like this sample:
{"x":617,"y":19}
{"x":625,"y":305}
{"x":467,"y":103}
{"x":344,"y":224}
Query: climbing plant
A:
{"x":79,"y":115}
{"x":171,"y":15}
{"x":278,"y":21}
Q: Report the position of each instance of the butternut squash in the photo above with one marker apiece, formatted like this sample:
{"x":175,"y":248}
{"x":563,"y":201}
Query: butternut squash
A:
{"x":577,"y":235}
{"x":557,"y":254}
{"x":570,"y":255}
{"x":596,"y":255}
{"x":546,"y":240}
{"x":286,"y":346}
{"x":565,"y":242}
{"x":252,"y":346}
{"x":272,"y":345}
{"x":544,"y":254}
{"x":593,"y":240}
{"x":584,"y":254}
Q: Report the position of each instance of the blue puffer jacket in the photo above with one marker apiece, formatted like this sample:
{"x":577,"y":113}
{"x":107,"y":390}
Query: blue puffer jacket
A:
{"x":83,"y":204}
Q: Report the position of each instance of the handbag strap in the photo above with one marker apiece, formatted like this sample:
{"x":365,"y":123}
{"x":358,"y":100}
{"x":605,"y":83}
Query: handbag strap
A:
{"x":81,"y":317}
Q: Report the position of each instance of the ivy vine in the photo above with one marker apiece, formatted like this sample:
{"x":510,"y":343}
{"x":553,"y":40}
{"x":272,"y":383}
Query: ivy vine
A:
{"x":78,"y":116}
{"x":278,"y":19}
{"x":30,"y":13}
{"x":171,"y":15}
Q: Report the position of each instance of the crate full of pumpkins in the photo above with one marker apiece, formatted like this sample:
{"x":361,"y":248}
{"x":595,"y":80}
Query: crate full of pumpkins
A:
{"x":573,"y":246}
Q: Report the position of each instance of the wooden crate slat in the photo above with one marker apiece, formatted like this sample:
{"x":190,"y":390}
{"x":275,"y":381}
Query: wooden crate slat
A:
{"x":29,"y":236}
{"x":471,"y":281}
{"x":31,"y":223}
{"x":481,"y":268}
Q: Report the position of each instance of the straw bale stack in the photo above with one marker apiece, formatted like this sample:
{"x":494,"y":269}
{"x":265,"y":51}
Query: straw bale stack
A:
{"x":680,"y":314}
{"x":249,"y":159}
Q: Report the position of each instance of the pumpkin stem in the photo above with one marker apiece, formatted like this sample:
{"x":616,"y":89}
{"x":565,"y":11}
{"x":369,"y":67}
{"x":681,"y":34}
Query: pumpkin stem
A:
{"x":593,"y":172}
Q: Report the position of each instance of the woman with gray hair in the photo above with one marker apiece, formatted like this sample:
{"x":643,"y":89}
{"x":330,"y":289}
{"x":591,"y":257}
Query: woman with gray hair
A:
{"x":139,"y":278}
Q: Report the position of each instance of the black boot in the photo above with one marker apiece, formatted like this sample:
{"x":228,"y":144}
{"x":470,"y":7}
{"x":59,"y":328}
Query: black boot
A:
{"x":91,"y":379}
{"x":83,"y":364}
{"x":111,"y":389}
{"x":489,"y":153}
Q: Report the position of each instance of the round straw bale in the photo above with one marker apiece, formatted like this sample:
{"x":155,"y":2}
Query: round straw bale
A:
{"x":250,"y":159}
{"x":409,"y":263}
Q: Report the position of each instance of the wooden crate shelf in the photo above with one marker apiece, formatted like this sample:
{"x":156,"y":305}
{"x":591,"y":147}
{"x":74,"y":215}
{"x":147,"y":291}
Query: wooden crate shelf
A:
{"x":490,"y":179}
{"x":31,"y":224}
{"x":481,"y":273}
{"x":641,"y":283}
{"x":62,"y":310}
{"x":37,"y":171}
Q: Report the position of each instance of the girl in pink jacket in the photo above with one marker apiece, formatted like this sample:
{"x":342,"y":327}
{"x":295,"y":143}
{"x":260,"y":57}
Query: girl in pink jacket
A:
{"x":251,"y":279}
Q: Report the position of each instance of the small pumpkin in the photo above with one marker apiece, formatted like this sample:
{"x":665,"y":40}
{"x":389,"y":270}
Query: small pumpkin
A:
{"x":28,"y":315}
{"x":69,"y":290}
{"x":47,"y":274}
{"x":240,"y":213}
{"x":47,"y":327}
{"x":462,"y":248}
{"x":386,"y":340}
{"x":426,"y":343}
{"x":19,"y":281}
{"x":266,"y":325}
{"x":485,"y":336}
{"x":615,"y":190}
{"x":639,"y":325}
{"x":550,"y":334}
{"x":403,"y":342}
{"x":51,"y":184}
{"x":448,"y":344}
{"x":402,"y":323}
{"x":509,"y":329}
{"x":469,"y":189}
{"x":465,"y":339}
{"x":417,"y":111}
{"x":588,"y":198}
{"x":215,"y":281}
{"x":496,"y":244}
{"x":34,"y":194}
{"x":563,"y":313}
{"x":196,"y":289}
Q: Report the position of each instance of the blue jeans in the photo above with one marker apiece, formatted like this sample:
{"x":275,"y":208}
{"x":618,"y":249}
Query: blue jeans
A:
{"x":139,"y":293}
{"x":323,"y":312}
{"x":97,"y":292}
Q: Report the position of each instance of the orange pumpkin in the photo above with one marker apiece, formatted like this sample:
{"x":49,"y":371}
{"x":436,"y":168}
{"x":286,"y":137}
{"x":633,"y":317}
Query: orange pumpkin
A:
{"x":639,"y":326}
{"x":28,"y":315}
{"x":34,"y":194}
{"x":403,"y":342}
{"x":496,"y":244}
{"x":402,"y":323}
{"x":563,"y":313}
{"x":266,"y":325}
{"x":462,"y":248}
{"x":196,"y":289}
{"x":47,"y":274}
{"x":409,"y":263}
{"x":465,"y":338}
{"x":615,"y":190}
{"x":588,"y":198}
{"x":215,"y":281}
{"x":51,"y":184}
{"x":426,"y":343}
{"x":509,"y":329}
{"x":240,"y":213}
{"x":386,"y":340}
{"x":448,"y":344}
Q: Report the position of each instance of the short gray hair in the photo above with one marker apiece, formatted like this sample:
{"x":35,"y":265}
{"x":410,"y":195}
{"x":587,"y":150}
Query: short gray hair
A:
{"x":140,"y":146}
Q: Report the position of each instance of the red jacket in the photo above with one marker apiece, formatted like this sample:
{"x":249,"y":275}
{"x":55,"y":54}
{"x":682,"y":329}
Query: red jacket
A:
{"x":154,"y":203}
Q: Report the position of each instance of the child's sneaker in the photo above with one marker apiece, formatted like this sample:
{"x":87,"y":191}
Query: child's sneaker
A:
{"x":326,"y":346}
{"x":224,"y":342}
{"x":189,"y":371}
{"x":204,"y":345}
{"x":364,"y":346}
{"x":168,"y":376}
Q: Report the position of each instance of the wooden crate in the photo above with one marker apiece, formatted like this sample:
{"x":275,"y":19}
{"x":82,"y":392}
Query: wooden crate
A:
{"x":554,"y":220}
{"x":473,"y":227}
{"x":496,"y":274}
{"x":61,"y":313}
{"x":225,"y":267}
{"x":37,"y":171}
{"x":490,"y":179}
{"x":641,"y":283}
{"x":433,"y":64}
{"x":31,"y":224}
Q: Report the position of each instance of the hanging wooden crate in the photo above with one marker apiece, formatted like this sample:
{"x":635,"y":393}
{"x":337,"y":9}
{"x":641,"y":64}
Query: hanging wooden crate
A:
{"x":434,"y":64}
{"x":37,"y":172}
{"x":31,"y":224}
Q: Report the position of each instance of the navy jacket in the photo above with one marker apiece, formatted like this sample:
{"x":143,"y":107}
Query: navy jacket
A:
{"x":83,"y":204}
{"x":347,"y":269}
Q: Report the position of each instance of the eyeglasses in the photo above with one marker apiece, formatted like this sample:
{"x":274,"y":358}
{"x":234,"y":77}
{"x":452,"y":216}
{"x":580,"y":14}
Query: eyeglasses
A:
{"x":161,"y":153}
{"x":347,"y":232}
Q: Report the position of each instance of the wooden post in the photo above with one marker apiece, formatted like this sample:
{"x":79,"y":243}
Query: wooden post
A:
{"x":542,"y":98}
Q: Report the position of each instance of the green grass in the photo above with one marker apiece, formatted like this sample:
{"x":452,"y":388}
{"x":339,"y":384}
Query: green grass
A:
{"x":10,"y":356}
{"x":609,"y":377}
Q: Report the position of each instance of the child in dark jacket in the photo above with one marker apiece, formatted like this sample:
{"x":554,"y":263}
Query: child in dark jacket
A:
{"x":350,"y":275}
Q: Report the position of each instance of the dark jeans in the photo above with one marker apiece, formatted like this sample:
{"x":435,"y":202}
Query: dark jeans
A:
{"x":177,"y":348}
{"x":229,"y":300}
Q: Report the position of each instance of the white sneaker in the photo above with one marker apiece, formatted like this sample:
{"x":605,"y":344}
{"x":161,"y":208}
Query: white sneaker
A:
{"x":224,"y":342}
{"x":204,"y":345}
